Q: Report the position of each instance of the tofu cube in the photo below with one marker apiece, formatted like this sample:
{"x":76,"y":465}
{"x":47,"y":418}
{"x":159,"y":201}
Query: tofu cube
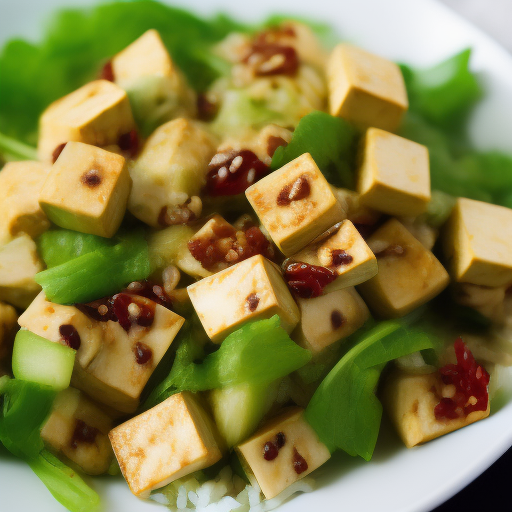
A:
{"x":78,"y":429}
{"x":409,"y":274}
{"x":87,"y":190}
{"x":343,"y":250}
{"x":295,"y":204}
{"x":169,"y":441}
{"x":250,"y":290}
{"x":98,"y":114}
{"x":19,"y":263}
{"x":8,"y":328}
{"x":365,"y":89}
{"x":394,"y":176}
{"x":20,"y":184}
{"x":300,"y":452}
{"x":171,"y":168}
{"x":478,"y":243}
{"x":331,"y":317}
{"x":410,"y":400}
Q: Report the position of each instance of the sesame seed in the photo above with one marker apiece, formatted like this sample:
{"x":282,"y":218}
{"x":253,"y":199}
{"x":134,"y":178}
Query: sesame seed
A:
{"x":222,"y":173}
{"x":134,"y":310}
{"x":274,"y":62}
{"x":219,"y":159}
{"x":235,"y":164}
{"x":295,"y":189}
{"x":102,"y":310}
{"x":251,"y":175}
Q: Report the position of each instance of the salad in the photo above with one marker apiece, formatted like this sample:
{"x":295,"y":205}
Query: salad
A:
{"x":227,"y":250}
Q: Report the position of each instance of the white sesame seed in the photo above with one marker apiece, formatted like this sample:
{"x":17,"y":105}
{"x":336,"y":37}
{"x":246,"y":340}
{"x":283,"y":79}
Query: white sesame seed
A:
{"x":219,"y":159}
{"x":134,"y":310}
{"x":222,"y":173}
{"x":274,"y":62}
{"x":235,"y":164}
{"x":294,"y":191}
{"x":251,"y":175}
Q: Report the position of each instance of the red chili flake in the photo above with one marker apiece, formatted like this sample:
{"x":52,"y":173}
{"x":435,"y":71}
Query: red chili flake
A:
{"x":107,"y":72}
{"x":145,"y":310}
{"x":231,"y":174}
{"x":151,"y":291}
{"x":270,"y":451}
{"x":83,"y":433}
{"x":57,"y":151}
{"x":91,"y":178}
{"x":470,"y":381}
{"x":341,"y":257}
{"x":308,"y":281}
{"x":143,"y":353}
{"x":299,"y":462}
{"x":299,"y":189}
{"x":280,"y":440}
{"x":206,"y":109}
{"x":252,"y":301}
{"x":70,"y":336}
{"x":130,"y":143}
{"x":337,"y":319}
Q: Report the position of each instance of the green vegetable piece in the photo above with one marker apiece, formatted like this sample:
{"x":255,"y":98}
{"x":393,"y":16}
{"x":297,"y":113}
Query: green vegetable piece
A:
{"x":66,"y":485}
{"x":330,"y":141}
{"x":15,"y":149}
{"x":26,"y":405}
{"x":344,"y":411}
{"x":99,"y":273}
{"x":38,"y":360}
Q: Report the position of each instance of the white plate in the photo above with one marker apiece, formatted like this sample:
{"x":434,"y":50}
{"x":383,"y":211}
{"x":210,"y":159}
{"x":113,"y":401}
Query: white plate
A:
{"x":397,"y":480}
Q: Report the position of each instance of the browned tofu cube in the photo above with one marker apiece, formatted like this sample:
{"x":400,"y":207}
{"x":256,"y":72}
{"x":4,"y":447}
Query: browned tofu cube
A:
{"x":171,"y":440}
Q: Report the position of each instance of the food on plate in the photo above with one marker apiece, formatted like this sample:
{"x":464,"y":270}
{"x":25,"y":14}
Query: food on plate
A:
{"x":235,"y":247}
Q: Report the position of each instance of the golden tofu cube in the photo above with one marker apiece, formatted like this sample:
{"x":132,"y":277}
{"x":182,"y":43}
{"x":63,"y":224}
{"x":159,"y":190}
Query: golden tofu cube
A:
{"x":98,"y":114}
{"x":299,"y":452}
{"x":20,"y":184}
{"x":171,"y":168}
{"x":365,"y":89}
{"x":8,"y":327}
{"x":394,"y":176}
{"x":87,"y":190}
{"x":409,"y":274}
{"x":250,"y":290}
{"x":478,"y":243}
{"x":295,"y":204}
{"x":171,"y":440}
{"x":331,"y":317}
{"x":19,"y":263}
{"x":410,"y":400}
{"x":78,"y":429}
{"x":343,"y":250}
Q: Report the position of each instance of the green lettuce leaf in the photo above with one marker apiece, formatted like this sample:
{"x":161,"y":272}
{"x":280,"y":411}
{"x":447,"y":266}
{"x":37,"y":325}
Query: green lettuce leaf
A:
{"x":344,"y":411}
{"x":330,"y":141}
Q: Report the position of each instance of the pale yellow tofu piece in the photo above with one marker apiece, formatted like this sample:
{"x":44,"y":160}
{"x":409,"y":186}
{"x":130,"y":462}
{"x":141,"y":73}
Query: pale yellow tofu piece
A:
{"x":295,"y":204}
{"x":87,"y":190}
{"x":250,"y":290}
{"x":169,"y":441}
{"x":331,"y":317}
{"x":19,"y":263}
{"x":410,"y":400}
{"x":78,"y":429}
{"x":343,"y":250}
{"x":170,"y":169}
{"x":394,"y":176}
{"x":20,"y":184}
{"x":301,"y":453}
{"x":478,"y":243}
{"x":8,"y":324}
{"x":409,"y":275}
{"x":365,"y":89}
{"x":98,"y":113}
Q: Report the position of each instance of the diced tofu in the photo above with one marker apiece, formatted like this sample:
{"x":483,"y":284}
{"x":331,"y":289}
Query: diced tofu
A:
{"x":410,"y":400}
{"x":98,"y":113}
{"x":478,"y":243}
{"x":87,"y":190}
{"x":343,"y":250}
{"x":394,"y":176}
{"x":250,"y":290}
{"x":295,"y":204}
{"x":171,"y":440}
{"x":352,"y":208}
{"x":365,"y":88}
{"x":78,"y":429}
{"x":409,"y":275}
{"x":8,"y":324}
{"x":300,"y":453}
{"x":326,"y":319}
{"x":20,"y":184}
{"x":488,"y":301}
{"x":171,"y":168}
{"x":19,"y":263}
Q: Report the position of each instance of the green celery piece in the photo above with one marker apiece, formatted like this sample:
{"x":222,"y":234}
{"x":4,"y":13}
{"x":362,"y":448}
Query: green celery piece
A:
{"x":344,"y":411}
{"x":58,"y":246}
{"x":66,"y":485}
{"x":26,"y":405}
{"x":15,"y":149}
{"x":97,"y":274}
{"x":330,"y":141}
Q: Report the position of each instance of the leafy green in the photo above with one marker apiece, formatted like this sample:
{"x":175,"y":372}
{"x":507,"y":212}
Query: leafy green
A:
{"x":16,"y":150}
{"x":65,"y":484}
{"x":330,"y":141}
{"x":344,"y":411}
{"x":259,"y":352}
{"x":93,"y":275}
